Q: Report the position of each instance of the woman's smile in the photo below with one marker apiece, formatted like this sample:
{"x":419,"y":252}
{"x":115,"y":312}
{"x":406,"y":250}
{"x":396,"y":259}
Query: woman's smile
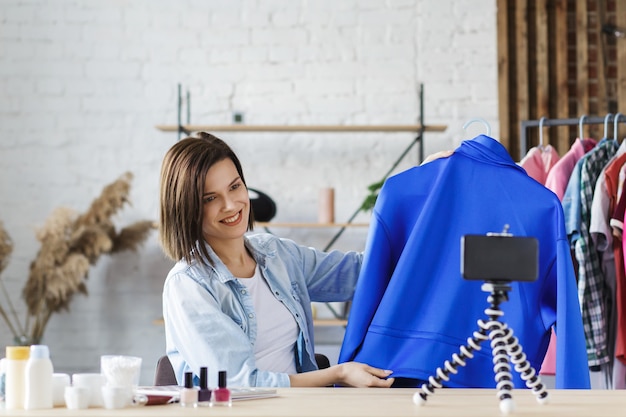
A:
{"x":233,"y":220}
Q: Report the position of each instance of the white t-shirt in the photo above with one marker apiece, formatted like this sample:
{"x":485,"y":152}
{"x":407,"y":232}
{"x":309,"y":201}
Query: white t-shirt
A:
{"x":277,"y":330}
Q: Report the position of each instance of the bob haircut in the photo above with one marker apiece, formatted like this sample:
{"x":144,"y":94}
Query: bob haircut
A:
{"x":183,"y":172}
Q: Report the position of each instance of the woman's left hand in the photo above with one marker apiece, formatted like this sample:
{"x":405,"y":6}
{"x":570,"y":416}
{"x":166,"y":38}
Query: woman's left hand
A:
{"x":437,"y":155}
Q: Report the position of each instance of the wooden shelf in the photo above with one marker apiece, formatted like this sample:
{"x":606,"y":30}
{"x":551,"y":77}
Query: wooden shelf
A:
{"x":319,"y":322}
{"x":330,"y":322}
{"x":309,"y":225}
{"x":304,"y":128}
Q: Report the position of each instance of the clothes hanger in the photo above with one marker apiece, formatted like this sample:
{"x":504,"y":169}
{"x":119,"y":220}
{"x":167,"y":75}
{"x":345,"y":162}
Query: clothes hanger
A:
{"x":606,"y":125}
{"x":541,"y":144}
{"x":615,"y":124}
{"x":581,"y":133}
{"x":480,"y":120}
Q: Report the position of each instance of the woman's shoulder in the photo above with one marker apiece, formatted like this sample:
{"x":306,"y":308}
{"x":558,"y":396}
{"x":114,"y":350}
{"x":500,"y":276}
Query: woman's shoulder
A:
{"x":265,"y":240}
{"x":191,"y":269}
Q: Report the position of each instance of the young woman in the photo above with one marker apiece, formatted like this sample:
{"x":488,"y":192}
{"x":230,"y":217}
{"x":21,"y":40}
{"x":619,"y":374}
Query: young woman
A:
{"x":242,"y":302}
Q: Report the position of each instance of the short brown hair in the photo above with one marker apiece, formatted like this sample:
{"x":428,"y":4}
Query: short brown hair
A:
{"x":183,"y":172}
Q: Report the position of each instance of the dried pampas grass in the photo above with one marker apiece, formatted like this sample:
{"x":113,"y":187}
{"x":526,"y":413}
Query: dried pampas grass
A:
{"x":70,"y":244}
{"x":6,"y":247}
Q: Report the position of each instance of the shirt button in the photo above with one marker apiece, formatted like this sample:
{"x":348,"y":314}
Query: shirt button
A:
{"x":250,"y":315}
{"x":243,"y":291}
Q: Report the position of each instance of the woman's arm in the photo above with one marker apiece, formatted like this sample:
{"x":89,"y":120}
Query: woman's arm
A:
{"x":352,"y":374}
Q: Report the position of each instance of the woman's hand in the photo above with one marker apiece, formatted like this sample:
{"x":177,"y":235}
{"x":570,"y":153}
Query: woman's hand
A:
{"x":349,"y":374}
{"x":437,"y":155}
{"x":360,"y":375}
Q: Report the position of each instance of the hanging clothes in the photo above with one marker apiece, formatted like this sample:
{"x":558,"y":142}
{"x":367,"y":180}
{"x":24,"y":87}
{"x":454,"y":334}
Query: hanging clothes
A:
{"x":539,"y":161}
{"x":602,"y":240}
{"x":556,"y":181}
{"x":591,"y":287}
{"x":561,"y":172}
{"x":412,"y":310}
{"x":617,"y":333}
{"x":619,"y":247}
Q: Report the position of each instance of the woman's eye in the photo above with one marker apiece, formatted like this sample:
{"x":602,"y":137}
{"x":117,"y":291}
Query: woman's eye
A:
{"x":208,"y":199}
{"x":235,"y":186}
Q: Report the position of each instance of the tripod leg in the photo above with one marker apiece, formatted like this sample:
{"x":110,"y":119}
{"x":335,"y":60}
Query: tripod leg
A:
{"x":443,"y":374}
{"x":523,"y":367}
{"x":501,"y":366}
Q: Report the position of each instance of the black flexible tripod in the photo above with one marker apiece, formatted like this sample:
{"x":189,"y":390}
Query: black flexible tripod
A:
{"x":505,"y":348}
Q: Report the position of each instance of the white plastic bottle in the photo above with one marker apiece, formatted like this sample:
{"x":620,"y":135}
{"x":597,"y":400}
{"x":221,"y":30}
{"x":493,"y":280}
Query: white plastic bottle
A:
{"x":39,"y":372}
{"x":16,"y":358}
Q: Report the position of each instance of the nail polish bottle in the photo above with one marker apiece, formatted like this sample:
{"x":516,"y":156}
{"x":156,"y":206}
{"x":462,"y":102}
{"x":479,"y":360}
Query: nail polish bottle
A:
{"x":189,"y":393}
{"x":221,"y":395}
{"x":204,"y":394}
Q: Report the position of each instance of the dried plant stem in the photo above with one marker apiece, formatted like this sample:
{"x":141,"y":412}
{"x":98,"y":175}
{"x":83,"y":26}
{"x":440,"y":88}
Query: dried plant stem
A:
{"x":12,"y":311}
{"x":40,"y":325}
{"x":7,"y":321}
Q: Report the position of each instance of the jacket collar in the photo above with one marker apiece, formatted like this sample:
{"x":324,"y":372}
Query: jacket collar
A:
{"x":487,"y":150}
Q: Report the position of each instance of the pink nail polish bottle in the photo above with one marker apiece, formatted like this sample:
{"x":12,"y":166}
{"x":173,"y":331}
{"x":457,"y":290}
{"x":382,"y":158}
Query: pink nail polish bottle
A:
{"x":221,"y":395}
{"x":189,"y":393}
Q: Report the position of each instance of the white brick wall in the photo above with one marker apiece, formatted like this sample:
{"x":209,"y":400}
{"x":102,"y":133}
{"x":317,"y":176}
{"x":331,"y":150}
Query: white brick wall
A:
{"x":83,"y":83}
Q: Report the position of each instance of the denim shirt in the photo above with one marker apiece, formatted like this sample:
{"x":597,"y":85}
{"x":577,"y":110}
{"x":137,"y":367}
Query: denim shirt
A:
{"x":209,"y":316}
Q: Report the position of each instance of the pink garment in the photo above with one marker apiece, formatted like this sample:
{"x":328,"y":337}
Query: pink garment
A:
{"x":558,"y":176}
{"x":548,"y":367}
{"x":539,"y":161}
{"x":556,"y":181}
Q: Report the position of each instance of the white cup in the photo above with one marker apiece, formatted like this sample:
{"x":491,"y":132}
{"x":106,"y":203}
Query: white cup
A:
{"x":76,"y":398}
{"x":120,"y":370}
{"x":116,"y":397}
{"x":94,"y":383}
{"x":59,"y":382}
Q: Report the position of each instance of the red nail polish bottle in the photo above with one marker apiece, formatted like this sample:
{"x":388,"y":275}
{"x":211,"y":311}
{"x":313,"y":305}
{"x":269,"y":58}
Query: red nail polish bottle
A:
{"x":221,"y":395}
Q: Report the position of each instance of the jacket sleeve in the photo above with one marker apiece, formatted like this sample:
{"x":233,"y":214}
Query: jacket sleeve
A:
{"x":370,"y":288}
{"x":572,"y":370}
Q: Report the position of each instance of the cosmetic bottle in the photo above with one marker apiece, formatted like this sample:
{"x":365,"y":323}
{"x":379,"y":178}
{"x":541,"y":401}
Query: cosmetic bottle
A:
{"x":39,"y":370}
{"x":189,"y":393}
{"x":16,"y":356}
{"x":221,"y":395}
{"x":204,"y":394}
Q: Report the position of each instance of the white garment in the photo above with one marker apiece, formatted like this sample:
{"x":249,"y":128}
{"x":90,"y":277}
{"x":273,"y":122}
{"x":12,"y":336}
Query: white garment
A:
{"x":277,"y":330}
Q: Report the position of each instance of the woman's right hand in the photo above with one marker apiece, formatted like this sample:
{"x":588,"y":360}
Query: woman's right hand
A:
{"x":360,"y":375}
{"x":349,"y":374}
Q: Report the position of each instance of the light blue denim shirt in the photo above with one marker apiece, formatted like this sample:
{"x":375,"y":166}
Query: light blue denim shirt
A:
{"x":210,"y":320}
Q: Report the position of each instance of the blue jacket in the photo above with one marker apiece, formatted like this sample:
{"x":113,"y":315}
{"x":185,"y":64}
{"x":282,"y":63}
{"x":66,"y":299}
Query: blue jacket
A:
{"x":412,"y":309}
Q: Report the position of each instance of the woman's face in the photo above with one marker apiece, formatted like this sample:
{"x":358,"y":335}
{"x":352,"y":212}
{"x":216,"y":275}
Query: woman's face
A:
{"x":226,"y":203}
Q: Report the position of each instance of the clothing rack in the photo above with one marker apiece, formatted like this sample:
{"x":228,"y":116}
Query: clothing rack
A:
{"x":525,"y":125}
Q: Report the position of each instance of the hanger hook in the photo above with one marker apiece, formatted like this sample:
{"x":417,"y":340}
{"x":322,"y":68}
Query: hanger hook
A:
{"x":606,"y":124}
{"x":480,"y":120}
{"x":580,"y":126}
{"x":541,"y":121}
{"x":615,"y":124}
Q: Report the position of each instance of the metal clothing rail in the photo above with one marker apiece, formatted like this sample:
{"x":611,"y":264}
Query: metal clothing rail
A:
{"x":525,"y":125}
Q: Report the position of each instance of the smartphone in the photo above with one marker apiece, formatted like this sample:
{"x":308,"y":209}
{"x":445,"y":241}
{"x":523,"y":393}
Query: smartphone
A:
{"x":499,"y":258}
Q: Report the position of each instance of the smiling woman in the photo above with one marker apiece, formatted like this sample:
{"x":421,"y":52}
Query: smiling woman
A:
{"x":238,"y":301}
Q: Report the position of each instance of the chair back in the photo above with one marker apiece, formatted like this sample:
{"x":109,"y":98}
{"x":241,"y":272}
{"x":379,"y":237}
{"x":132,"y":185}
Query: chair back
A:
{"x":164,"y":374}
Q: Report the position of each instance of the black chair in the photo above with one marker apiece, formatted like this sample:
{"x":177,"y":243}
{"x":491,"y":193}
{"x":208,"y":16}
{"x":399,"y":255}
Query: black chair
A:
{"x":164,"y":374}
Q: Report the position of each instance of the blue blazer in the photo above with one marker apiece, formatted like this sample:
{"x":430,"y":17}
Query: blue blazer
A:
{"x":412,"y":309}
